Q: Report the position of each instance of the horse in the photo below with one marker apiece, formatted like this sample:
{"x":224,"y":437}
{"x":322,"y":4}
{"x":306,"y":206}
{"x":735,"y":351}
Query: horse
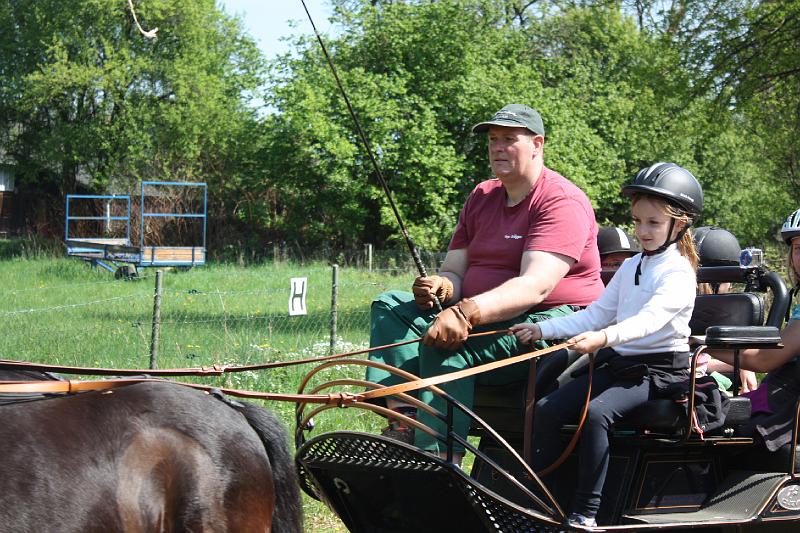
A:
{"x":150,"y":456}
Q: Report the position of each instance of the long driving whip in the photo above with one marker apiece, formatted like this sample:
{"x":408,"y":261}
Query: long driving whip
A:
{"x":409,"y":242}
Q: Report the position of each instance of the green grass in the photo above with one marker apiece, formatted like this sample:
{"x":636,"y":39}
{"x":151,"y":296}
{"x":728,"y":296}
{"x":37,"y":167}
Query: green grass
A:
{"x":61,"y":311}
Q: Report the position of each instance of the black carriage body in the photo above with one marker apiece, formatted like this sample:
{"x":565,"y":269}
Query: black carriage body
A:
{"x":660,"y":476}
{"x":376,"y":485}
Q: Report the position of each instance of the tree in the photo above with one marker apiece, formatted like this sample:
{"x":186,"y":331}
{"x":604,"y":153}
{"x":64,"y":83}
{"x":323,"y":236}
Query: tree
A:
{"x":84,"y":94}
{"x":614,"y":99}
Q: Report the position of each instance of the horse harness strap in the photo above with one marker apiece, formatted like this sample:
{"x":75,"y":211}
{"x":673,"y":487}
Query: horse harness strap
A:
{"x":443,"y":378}
{"x":341,"y":399}
{"x":76,"y":386}
{"x":213,"y":370}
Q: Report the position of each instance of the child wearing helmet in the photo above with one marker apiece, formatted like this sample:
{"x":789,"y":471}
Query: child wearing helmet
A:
{"x":640,"y":325}
{"x":789,"y":233}
{"x":775,"y":399}
{"x":615,"y":246}
{"x":719,"y":247}
{"x":716,"y":247}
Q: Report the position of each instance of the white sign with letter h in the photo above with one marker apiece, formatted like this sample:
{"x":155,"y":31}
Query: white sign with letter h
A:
{"x":297,"y":296}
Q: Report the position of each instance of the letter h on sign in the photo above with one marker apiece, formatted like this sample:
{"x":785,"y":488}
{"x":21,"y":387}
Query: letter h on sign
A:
{"x":297,"y":296}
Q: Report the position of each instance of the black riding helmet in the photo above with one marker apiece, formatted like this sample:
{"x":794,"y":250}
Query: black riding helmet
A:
{"x":716,"y":246}
{"x":614,"y":240}
{"x":670,"y":182}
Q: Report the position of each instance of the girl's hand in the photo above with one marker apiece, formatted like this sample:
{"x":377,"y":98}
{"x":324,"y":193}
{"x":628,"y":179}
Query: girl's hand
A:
{"x":591,"y":341}
{"x":526,"y":333}
{"x":749,"y":380}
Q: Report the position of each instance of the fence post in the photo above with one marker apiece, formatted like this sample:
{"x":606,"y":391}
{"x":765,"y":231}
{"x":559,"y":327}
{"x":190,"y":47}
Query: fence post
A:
{"x":156,"y":322}
{"x":334,"y":305}
{"x":369,"y":256}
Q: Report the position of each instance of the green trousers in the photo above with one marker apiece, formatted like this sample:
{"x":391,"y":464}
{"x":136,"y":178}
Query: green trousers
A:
{"x":395,"y":318}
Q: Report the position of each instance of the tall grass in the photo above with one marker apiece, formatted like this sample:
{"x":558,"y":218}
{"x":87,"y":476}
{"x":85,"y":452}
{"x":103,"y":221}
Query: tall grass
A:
{"x":61,"y":311}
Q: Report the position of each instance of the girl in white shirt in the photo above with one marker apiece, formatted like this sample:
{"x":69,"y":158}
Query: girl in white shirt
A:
{"x":640,"y":324}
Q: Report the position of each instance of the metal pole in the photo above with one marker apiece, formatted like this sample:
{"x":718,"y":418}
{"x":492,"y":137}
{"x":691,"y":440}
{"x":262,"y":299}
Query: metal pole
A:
{"x":369,"y":257}
{"x":156,"y":322}
{"x":334,"y":305}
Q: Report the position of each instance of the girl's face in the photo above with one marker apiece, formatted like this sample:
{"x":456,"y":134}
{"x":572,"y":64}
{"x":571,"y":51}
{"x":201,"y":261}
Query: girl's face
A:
{"x":651,"y":223}
{"x":795,"y":254}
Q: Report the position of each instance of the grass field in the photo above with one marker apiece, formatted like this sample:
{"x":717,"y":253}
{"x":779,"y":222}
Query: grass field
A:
{"x":61,"y":311}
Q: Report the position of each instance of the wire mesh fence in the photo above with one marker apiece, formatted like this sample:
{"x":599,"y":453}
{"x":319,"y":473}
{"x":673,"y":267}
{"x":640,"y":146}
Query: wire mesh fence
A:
{"x":221,"y":314}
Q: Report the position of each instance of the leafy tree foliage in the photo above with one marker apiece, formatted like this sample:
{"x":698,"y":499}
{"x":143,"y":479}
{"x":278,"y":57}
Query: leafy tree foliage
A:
{"x":84,"y":95}
{"x":620,"y":84}
{"x":615,"y":94}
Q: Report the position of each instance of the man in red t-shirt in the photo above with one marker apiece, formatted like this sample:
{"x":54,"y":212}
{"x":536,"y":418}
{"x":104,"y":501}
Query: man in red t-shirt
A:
{"x":524,"y":249}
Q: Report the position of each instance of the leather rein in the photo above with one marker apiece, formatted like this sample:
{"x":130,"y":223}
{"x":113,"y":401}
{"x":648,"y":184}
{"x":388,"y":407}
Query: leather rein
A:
{"x":341,"y":398}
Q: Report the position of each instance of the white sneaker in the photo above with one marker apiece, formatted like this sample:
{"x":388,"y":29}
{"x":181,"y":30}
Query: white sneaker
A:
{"x":575,"y":519}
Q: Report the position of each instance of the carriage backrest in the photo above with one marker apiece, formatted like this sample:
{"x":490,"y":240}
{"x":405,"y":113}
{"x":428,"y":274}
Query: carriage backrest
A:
{"x":746,"y":308}
{"x":731,"y":309}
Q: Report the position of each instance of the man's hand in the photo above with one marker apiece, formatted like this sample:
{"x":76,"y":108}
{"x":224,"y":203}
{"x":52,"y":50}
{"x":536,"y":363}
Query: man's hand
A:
{"x":588,"y":342}
{"x":426,"y":288}
{"x":451,"y":327}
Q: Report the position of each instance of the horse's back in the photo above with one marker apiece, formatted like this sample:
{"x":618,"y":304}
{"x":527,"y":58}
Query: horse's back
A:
{"x":144,"y":457}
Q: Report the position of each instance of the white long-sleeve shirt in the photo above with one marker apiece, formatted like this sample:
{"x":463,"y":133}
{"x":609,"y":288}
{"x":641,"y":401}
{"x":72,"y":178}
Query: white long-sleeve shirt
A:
{"x":651,"y":317}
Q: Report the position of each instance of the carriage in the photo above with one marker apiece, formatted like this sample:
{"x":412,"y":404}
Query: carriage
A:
{"x":666,"y":473}
{"x":170,"y":230}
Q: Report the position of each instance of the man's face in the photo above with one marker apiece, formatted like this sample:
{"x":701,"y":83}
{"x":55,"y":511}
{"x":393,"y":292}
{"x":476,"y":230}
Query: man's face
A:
{"x":512,"y":151}
{"x":613,"y":260}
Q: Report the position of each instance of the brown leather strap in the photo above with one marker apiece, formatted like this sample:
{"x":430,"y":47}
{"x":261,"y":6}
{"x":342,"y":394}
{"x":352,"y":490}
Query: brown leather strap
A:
{"x":530,"y":403}
{"x":571,"y":446}
{"x":214,"y":370}
{"x":341,"y":398}
{"x":72,"y":386}
{"x":436,"y":380}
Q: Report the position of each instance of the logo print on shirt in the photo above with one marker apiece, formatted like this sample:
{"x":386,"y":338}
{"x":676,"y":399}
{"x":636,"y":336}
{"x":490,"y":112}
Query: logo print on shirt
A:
{"x":514,"y":236}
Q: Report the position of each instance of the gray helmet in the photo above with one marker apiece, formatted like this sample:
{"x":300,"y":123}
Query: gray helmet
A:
{"x":791,"y":227}
{"x":613,"y":240}
{"x":716,"y":246}
{"x":670,"y":182}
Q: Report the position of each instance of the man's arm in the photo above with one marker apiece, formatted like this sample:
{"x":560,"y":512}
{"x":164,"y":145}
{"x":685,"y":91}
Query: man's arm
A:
{"x":764,"y":359}
{"x":454,"y":268}
{"x":540,"y":272}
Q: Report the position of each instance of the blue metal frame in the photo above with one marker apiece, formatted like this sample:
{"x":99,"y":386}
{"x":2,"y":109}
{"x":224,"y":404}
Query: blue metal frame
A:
{"x":108,"y":253}
{"x":126,"y":218}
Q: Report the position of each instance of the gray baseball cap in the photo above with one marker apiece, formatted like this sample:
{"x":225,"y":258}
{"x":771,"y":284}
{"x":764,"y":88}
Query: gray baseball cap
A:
{"x":514,"y":116}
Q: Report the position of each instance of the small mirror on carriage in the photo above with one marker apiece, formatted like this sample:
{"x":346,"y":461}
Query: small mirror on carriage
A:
{"x":751,"y":258}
